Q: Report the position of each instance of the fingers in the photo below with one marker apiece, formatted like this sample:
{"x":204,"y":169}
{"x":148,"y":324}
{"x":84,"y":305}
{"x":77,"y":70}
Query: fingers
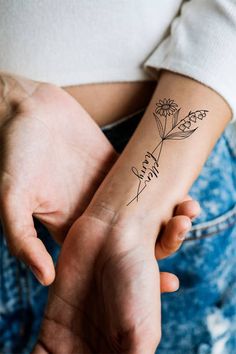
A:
{"x":168,"y":282}
{"x":176,"y":229}
{"x":188,"y":207}
{"x":22,"y":239}
{"x":172,"y":237}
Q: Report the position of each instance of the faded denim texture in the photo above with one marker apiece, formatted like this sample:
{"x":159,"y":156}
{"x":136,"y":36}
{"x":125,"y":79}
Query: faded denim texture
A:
{"x":201,"y":317}
{"x":198,"y":319}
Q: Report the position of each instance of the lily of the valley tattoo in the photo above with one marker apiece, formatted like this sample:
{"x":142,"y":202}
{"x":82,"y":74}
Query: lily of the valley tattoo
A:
{"x":170,"y":127}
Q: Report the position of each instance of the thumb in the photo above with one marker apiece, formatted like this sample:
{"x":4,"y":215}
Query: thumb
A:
{"x":22,"y":238}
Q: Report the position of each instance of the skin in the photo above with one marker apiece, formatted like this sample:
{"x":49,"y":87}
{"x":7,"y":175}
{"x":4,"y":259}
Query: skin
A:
{"x":34,"y":118}
{"x":53,"y":158}
{"x":112,"y":293}
{"x":114,"y":100}
{"x":104,"y":291}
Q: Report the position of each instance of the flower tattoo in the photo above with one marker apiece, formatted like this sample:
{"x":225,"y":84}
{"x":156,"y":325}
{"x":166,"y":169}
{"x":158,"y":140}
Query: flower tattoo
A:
{"x":166,"y":107}
{"x":172,"y":128}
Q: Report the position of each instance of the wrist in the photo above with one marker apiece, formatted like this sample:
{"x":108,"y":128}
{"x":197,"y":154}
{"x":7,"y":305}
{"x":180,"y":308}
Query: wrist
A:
{"x":130,"y":223}
{"x":113,"y":237}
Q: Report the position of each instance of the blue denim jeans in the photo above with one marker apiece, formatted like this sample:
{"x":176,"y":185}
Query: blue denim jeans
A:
{"x":198,"y":319}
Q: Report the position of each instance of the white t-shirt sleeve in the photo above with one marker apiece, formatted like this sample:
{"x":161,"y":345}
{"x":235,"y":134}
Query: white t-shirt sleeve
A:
{"x":202,"y":45}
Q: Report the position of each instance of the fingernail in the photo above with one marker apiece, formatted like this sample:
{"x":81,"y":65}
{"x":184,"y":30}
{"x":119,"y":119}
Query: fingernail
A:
{"x":37,"y":273}
{"x":197,"y":214}
{"x":182,"y":236}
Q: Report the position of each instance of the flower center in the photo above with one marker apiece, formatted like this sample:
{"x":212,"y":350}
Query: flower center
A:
{"x":165,"y":106}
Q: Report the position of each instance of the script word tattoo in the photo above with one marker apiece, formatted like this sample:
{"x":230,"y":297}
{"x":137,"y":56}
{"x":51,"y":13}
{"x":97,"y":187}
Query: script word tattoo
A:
{"x":169,"y":127}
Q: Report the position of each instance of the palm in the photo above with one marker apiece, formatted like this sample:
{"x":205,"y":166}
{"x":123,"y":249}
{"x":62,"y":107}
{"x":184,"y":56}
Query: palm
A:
{"x":54,"y":157}
{"x":102,"y":301}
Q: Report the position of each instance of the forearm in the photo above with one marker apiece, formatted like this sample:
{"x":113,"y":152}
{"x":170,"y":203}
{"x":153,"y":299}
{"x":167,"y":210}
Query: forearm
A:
{"x":157,"y":169}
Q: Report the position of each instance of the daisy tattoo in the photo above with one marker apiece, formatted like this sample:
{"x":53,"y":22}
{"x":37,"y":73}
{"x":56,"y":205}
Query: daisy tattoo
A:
{"x":166,"y":107}
{"x":169,"y":127}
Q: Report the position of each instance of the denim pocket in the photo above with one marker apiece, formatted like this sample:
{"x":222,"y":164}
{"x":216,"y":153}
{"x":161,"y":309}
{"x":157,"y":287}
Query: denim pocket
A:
{"x":213,"y":227}
{"x":215,"y":188}
{"x":203,"y":312}
{"x":210,"y":244}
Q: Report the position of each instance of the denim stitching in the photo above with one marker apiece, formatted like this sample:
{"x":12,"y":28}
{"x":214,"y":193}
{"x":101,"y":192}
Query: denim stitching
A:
{"x":212,"y":227}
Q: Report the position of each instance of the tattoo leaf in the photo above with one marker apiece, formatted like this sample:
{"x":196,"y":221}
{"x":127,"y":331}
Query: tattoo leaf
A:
{"x":159,"y":125}
{"x":175,"y":118}
{"x":180,"y":135}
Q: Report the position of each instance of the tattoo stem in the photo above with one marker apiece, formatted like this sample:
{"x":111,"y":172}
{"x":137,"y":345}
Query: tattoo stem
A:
{"x":136,"y":197}
{"x":162,"y":141}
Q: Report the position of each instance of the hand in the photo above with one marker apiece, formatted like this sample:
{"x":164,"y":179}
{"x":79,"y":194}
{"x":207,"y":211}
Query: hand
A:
{"x":53,"y":158}
{"x":106,"y":295}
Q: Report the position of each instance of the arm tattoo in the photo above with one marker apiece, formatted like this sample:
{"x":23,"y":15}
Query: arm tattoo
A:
{"x":170,"y":127}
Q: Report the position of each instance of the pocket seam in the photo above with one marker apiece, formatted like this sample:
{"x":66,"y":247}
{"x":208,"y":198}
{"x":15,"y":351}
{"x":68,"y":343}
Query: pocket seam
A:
{"x":212,"y":227}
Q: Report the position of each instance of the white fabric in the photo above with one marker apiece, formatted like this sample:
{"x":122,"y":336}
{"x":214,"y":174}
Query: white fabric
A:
{"x":70,"y":42}
{"x":202,"y":45}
